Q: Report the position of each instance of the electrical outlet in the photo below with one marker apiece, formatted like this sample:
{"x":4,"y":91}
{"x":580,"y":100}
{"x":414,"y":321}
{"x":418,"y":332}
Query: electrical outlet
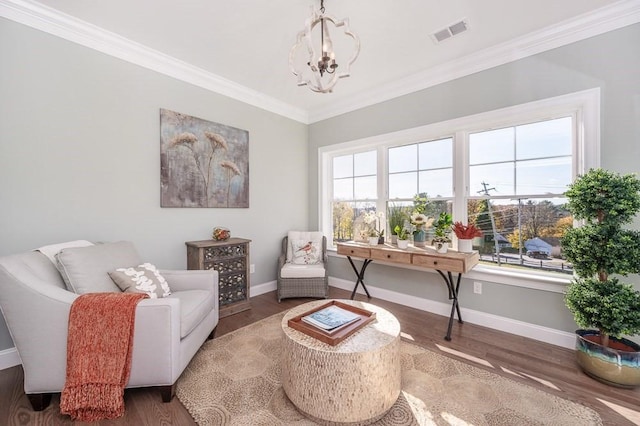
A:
{"x":477,"y":287}
{"x":252,"y":268}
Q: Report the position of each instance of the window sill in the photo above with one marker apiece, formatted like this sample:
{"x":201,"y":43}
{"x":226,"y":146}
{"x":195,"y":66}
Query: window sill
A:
{"x":537,"y":281}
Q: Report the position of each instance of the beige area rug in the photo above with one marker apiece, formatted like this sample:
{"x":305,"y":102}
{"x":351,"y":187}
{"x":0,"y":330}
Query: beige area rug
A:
{"x":235,"y":380}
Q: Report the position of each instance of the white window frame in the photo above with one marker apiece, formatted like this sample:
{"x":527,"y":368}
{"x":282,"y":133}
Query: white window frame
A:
{"x":583,"y":106}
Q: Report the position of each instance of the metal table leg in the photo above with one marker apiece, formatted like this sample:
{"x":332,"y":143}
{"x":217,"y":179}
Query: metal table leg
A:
{"x":453,"y":295}
{"x":360,"y":276}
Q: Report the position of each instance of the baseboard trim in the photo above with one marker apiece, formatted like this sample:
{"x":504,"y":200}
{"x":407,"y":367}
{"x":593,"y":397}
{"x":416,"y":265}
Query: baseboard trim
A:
{"x":257,"y":290}
{"x":508,"y":325}
{"x":9,"y":358}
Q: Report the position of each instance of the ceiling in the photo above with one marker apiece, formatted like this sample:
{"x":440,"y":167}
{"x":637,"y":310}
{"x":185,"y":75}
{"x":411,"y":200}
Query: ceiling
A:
{"x":246,"y":43}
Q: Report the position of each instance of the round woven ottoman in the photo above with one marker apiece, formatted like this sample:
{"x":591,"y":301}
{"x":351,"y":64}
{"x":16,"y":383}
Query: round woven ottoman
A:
{"x":356,"y":381}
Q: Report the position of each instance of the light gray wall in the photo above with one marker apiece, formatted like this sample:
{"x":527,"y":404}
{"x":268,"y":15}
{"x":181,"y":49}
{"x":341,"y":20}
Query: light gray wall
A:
{"x":80,"y":157}
{"x":610,"y":61}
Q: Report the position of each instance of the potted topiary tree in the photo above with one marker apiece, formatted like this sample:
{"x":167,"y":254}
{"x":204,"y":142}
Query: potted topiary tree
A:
{"x":605,"y":201}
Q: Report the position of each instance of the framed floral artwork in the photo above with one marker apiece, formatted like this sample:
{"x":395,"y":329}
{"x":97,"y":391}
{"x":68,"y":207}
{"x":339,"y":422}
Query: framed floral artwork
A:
{"x":202,"y":163}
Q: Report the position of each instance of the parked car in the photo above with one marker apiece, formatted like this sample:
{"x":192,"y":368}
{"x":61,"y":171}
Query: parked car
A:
{"x":537,"y":254}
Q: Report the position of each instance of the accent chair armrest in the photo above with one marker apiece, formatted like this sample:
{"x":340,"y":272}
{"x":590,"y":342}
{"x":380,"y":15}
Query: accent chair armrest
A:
{"x":180,"y":280}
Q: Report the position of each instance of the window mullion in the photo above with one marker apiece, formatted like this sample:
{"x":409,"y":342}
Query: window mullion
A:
{"x":460,"y":175}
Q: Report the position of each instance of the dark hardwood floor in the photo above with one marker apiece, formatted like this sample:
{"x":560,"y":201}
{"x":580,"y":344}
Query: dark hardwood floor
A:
{"x":543,"y":366}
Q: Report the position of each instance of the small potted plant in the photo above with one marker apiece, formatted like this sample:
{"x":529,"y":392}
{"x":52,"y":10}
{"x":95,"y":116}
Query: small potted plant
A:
{"x":465,"y":235}
{"x":402,"y":233}
{"x":598,"y":249}
{"x":397,"y":217}
{"x":373,"y":221}
{"x":442,"y":228}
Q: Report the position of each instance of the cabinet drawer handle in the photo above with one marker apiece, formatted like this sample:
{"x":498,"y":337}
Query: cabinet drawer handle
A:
{"x":351,"y":251}
{"x":388,"y":256}
{"x":435,"y":262}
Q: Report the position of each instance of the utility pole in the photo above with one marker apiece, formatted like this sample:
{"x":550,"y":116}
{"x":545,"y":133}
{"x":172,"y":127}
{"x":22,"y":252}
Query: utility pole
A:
{"x":520,"y":231}
{"x":485,"y":191}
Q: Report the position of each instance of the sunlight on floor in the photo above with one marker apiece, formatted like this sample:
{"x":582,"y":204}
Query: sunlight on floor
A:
{"x":528,"y":376}
{"x":407,"y":336}
{"x":465,"y":356}
{"x":632,"y":415}
{"x":506,"y":370}
{"x":453,"y":420}
{"x":422,"y":416}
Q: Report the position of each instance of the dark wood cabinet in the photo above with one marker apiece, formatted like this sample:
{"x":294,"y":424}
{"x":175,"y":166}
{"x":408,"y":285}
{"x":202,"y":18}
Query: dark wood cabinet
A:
{"x":231,"y":259}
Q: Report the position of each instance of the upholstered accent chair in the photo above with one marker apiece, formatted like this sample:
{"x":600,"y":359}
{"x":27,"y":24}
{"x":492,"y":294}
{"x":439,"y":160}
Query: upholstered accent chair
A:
{"x":302,"y":266}
{"x":36,"y":301}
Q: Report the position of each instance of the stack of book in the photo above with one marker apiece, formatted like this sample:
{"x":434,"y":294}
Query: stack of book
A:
{"x":331,"y":319}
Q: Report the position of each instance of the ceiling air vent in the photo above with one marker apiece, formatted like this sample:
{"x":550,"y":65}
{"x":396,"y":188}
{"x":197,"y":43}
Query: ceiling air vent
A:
{"x":450,"y":31}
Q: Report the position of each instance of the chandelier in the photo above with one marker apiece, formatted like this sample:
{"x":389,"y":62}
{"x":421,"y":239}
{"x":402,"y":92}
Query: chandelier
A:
{"x":321,"y":71}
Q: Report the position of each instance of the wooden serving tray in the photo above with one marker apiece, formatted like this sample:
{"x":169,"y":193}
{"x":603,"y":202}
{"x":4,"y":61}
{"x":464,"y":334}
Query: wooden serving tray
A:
{"x":334,"y":338}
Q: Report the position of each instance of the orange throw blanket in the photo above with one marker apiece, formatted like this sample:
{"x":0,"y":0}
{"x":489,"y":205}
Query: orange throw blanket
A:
{"x":99,"y":347}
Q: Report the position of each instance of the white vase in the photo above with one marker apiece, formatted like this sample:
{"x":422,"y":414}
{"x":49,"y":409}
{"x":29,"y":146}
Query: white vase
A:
{"x":465,"y":246}
{"x":403,"y":244}
{"x":441,"y":247}
{"x":373,"y":241}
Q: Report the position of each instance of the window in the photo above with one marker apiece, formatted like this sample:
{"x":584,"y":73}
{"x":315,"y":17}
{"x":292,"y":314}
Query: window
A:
{"x":517,"y":177}
{"x":354,"y":191}
{"x":421,"y":168}
{"x":505,"y":171}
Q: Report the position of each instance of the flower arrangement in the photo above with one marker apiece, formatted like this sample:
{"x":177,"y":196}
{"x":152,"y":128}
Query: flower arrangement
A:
{"x":374,"y":222}
{"x":421,"y":221}
{"x":466,"y":232}
{"x":220,"y":234}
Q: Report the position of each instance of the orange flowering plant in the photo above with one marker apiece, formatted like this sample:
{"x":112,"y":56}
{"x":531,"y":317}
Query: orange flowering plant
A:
{"x":466,"y":232}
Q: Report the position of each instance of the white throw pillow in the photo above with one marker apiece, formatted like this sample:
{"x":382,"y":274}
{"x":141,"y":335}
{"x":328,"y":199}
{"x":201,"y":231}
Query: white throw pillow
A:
{"x":305,"y":252}
{"x":52,"y":250}
{"x":143,"y":278}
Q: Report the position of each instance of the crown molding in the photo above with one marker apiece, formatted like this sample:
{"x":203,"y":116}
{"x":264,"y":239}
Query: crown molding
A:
{"x":599,"y":21}
{"x":54,"y":22}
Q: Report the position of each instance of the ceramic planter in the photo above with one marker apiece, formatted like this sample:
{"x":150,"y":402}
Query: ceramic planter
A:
{"x":465,"y":246}
{"x":441,"y":247}
{"x":419,"y":238}
{"x":403,"y":244}
{"x":610,"y":365}
{"x":373,"y":241}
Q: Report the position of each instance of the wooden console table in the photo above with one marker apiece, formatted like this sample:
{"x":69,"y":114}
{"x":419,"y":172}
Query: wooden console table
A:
{"x":444,"y":263}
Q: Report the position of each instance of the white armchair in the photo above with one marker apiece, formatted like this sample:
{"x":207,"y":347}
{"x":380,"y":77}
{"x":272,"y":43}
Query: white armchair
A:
{"x":168,"y":331}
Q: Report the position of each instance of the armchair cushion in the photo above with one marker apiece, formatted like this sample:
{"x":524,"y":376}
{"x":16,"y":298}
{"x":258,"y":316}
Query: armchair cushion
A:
{"x":291,"y":270}
{"x":195,"y":305}
{"x":86,"y":269}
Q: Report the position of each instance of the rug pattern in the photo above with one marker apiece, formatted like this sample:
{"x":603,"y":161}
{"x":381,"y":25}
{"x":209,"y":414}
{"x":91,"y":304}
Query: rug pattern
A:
{"x":235,"y":380}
